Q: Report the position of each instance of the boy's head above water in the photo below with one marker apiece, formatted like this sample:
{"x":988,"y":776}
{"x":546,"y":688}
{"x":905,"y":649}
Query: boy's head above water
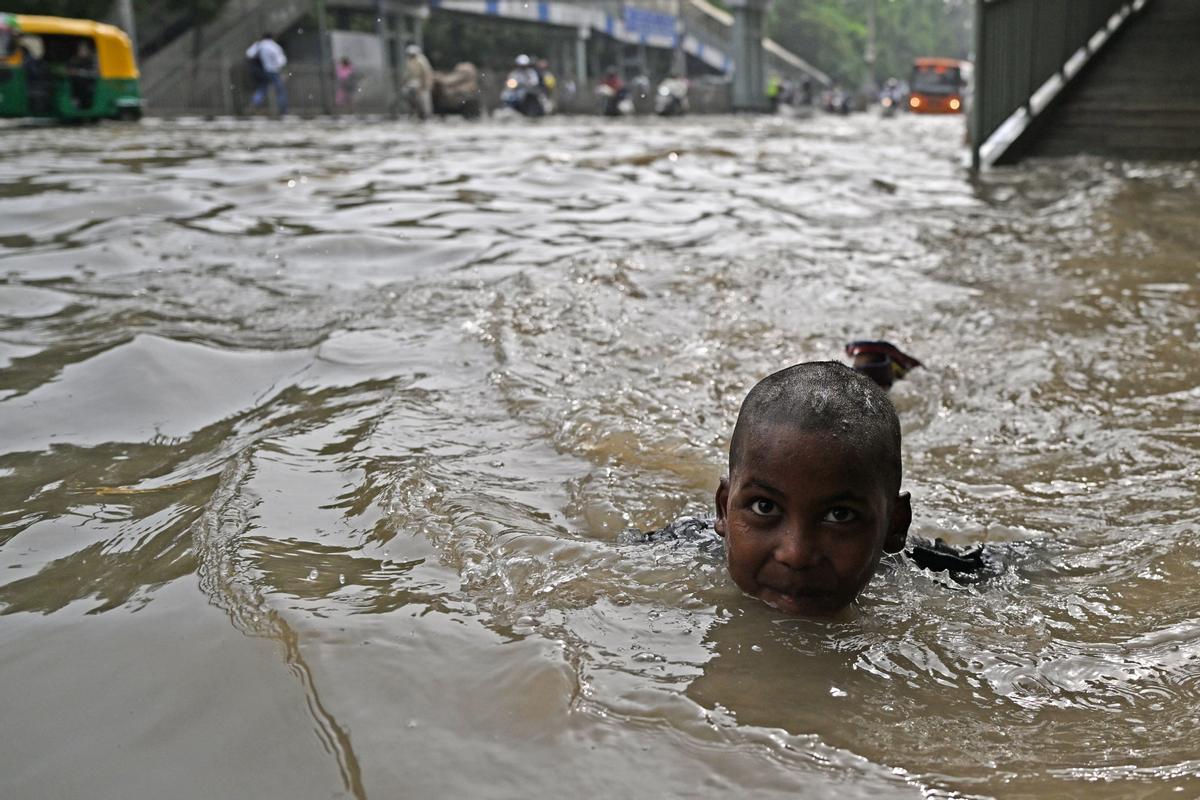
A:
{"x":812,"y":499}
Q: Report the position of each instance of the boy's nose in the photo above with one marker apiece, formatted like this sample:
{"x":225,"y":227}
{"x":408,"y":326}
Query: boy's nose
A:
{"x":797,"y":548}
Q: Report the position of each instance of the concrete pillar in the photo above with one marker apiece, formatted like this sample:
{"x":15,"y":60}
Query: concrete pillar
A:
{"x":679,"y":57}
{"x":978,"y":96}
{"x":581,"y":57}
{"x":420,"y":14}
{"x":125,"y":21}
{"x":383,"y":31}
{"x":326,"y":58}
{"x":749,"y":76}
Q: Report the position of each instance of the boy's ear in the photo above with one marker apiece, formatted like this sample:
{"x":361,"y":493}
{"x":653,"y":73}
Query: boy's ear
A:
{"x":898,"y":525}
{"x":722,"y":500}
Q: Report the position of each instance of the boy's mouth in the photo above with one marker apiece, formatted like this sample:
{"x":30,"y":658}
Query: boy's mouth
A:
{"x":803,"y":601}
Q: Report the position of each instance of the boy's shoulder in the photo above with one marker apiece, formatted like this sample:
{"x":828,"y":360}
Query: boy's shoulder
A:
{"x":698,"y":529}
{"x":964,"y":564}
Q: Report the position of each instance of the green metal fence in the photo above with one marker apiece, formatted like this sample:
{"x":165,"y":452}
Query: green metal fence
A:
{"x":1019,"y":45}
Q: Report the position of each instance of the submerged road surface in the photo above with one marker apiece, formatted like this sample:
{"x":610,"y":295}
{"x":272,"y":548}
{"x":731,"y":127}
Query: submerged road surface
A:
{"x":317,"y":441}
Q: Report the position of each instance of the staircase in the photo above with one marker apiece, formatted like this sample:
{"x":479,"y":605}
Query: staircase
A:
{"x":195,"y":69}
{"x":1140,"y":98}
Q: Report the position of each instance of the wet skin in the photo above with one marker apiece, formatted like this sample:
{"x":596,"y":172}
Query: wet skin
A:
{"x":806,"y":519}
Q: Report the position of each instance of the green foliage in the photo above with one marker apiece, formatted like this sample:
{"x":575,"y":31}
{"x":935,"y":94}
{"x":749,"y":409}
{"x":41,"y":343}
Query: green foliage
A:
{"x":833,"y":33}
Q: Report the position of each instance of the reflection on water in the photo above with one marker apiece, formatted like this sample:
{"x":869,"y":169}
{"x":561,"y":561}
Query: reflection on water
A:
{"x":318,"y":439}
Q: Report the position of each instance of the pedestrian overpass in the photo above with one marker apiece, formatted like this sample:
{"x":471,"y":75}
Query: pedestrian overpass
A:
{"x":1109,"y":77}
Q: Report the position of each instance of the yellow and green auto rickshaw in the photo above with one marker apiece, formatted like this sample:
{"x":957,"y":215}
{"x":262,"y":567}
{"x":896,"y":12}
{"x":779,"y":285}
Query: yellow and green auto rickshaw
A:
{"x":70,"y":69}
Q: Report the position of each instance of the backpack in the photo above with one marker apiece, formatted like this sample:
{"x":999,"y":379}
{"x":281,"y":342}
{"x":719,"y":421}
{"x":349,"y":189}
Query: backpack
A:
{"x":255,"y":66}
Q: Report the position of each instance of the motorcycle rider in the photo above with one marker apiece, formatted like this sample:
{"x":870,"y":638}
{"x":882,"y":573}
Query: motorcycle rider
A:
{"x":524,"y":91}
{"x":524,"y":71}
{"x":837,"y":100}
{"x":613,"y":90}
{"x":806,"y":91}
{"x":672,"y":96}
{"x":892,"y":89}
{"x":546,"y":78}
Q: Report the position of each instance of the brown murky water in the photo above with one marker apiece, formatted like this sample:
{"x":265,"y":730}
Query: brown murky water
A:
{"x":317,"y":439}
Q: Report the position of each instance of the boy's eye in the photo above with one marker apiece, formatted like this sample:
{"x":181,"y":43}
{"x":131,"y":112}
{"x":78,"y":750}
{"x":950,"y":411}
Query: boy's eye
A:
{"x":764,"y":508}
{"x":840,"y":515}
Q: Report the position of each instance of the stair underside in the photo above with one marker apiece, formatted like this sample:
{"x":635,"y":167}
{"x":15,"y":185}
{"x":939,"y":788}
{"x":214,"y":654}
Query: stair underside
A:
{"x":1141,"y":96}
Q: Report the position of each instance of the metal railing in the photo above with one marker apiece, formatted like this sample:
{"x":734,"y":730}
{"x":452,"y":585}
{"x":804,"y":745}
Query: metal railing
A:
{"x":224,"y":87}
{"x":237,"y":26}
{"x":1022,"y":44}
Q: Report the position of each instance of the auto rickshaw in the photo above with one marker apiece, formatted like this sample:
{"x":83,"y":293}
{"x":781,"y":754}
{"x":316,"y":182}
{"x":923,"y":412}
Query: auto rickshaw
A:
{"x":69,"y":69}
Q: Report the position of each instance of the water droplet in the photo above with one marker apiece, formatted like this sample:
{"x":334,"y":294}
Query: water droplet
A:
{"x":291,"y":184}
{"x":312,"y":574}
{"x":756,"y":648}
{"x":836,"y":692}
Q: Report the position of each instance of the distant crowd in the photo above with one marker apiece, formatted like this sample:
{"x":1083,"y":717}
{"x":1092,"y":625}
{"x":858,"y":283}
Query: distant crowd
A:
{"x":530,"y":87}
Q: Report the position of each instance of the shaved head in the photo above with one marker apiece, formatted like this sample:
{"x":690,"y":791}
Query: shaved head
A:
{"x":829,"y":398}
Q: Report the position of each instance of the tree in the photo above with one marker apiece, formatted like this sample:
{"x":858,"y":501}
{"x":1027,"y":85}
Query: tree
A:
{"x":833,"y":33}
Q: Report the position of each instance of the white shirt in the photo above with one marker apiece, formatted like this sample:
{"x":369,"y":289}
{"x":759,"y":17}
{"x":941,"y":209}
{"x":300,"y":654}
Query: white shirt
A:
{"x":270,"y":53}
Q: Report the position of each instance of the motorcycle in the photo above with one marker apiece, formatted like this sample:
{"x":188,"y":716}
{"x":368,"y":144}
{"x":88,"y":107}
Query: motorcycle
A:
{"x":671,"y":99}
{"x":887,"y":106}
{"x":614,"y":101}
{"x":838,"y":101}
{"x":523,"y":93}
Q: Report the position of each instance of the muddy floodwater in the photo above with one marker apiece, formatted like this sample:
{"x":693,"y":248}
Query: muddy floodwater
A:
{"x":318,"y":440}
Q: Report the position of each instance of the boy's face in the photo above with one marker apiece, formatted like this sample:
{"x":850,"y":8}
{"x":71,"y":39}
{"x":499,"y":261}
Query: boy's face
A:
{"x":806,"y":518}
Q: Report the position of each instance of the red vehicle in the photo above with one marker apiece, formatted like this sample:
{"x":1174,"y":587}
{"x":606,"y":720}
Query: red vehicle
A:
{"x":938,"y":85}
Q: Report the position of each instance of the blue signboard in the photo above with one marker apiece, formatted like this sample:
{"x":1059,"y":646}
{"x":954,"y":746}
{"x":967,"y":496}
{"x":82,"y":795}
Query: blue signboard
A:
{"x":649,"y":23}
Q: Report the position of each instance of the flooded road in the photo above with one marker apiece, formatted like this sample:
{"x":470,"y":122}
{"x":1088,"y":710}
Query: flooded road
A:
{"x":318,"y":439}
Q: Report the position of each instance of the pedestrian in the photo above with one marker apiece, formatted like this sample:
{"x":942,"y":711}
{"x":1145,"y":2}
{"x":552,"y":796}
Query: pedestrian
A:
{"x":774,"y":88}
{"x":271,"y":61}
{"x":787,"y":92}
{"x":546,"y":78}
{"x":418,"y":81}
{"x":806,"y":91}
{"x":82,"y":75}
{"x":347,"y":84}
